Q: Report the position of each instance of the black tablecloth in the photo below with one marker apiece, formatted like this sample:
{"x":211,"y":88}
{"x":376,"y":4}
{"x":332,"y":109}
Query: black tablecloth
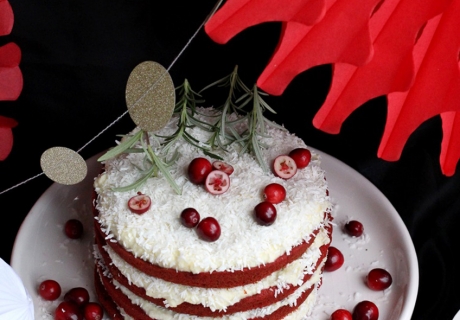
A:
{"x":77,"y":57}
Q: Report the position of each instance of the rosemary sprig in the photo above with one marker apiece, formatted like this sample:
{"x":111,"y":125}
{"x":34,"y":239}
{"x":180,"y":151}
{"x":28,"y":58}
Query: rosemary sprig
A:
{"x":156,"y":163}
{"x":186,"y":109}
{"x":235,"y":85}
{"x":223,"y":130}
{"x":250,"y":138}
{"x":122,"y":147}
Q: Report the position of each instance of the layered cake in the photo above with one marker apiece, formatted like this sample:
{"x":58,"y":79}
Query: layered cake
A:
{"x":151,"y":265}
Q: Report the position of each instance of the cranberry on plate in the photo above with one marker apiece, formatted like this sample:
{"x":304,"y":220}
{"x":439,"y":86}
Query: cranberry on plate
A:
{"x":93,"y":311}
{"x":334,"y":259}
{"x":68,"y":310}
{"x":73,"y":228}
{"x":354,"y":228}
{"x":365,"y":310}
{"x":49,"y":289}
{"x":379,"y":279}
{"x":77,"y":295}
{"x":341,"y":314}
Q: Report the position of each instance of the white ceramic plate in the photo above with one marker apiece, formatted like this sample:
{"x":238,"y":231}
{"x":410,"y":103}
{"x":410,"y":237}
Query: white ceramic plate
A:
{"x":42,"y":250}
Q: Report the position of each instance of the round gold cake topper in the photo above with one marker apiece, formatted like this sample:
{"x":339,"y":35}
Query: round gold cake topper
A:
{"x":63,"y":165}
{"x":150,"y":96}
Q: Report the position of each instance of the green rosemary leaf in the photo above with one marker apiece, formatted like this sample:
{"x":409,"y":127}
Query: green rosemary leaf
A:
{"x":133,"y":150}
{"x":247,"y":97}
{"x":121,"y":147}
{"x":212,"y":155}
{"x":201,"y":124}
{"x":265,"y":105}
{"x":193,"y":143}
{"x":191,"y":138}
{"x":274,"y":124}
{"x":173,"y":159}
{"x":258,"y":154}
{"x":136,"y":185}
{"x":236,"y":136}
{"x":164,"y":170}
{"x":213,"y":84}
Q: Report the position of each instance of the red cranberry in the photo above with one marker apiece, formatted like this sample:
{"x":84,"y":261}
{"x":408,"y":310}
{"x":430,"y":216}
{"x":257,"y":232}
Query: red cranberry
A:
{"x":77,"y":295}
{"x":354,"y":228}
{"x":274,"y":193}
{"x":68,"y":310}
{"x":334,"y":259}
{"x":341,"y":314}
{"x":73,"y":229}
{"x":365,"y":310}
{"x":301,"y":157}
{"x":379,"y":279}
{"x":49,"y":290}
{"x":265,"y":213}
{"x":222,"y":166}
{"x":189,"y":217}
{"x":93,"y":311}
{"x":140,"y":203}
{"x":208,"y":229}
{"x":198,"y":170}
{"x":217,"y":182}
{"x":284,"y":167}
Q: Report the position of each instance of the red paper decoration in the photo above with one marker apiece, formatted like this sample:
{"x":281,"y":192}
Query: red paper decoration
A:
{"x":405,"y":49}
{"x":6,"y":136}
{"x":11,"y":81}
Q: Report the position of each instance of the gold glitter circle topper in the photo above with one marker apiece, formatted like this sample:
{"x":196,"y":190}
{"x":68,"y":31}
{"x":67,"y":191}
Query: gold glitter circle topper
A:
{"x":63,"y":165}
{"x":150,"y":96}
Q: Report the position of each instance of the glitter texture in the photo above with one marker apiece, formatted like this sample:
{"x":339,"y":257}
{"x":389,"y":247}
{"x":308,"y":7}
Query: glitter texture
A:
{"x":150,"y":96}
{"x":63,"y":165}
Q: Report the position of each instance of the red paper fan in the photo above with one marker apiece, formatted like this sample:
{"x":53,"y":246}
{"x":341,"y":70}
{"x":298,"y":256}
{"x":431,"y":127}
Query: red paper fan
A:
{"x":405,"y":49}
{"x":237,"y":15}
{"x":11,"y":81}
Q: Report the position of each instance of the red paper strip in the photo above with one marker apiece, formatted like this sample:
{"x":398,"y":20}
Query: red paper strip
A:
{"x":11,"y":80}
{"x":450,"y":147}
{"x":6,"y":136}
{"x":10,"y":55}
{"x":6,"y":18}
{"x":237,"y":15}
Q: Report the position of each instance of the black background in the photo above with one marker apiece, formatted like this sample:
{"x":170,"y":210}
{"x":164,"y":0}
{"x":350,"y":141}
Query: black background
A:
{"x":77,"y":57}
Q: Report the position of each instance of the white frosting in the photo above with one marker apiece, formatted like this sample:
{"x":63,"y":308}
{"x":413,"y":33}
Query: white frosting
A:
{"x":220,"y":299}
{"x":157,"y":236}
{"x":156,"y":312}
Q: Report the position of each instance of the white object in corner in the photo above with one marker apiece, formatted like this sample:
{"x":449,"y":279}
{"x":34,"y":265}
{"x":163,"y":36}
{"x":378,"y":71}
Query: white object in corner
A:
{"x":15,"y":301}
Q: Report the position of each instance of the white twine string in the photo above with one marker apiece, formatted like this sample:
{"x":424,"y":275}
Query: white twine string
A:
{"x":214,"y":9}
